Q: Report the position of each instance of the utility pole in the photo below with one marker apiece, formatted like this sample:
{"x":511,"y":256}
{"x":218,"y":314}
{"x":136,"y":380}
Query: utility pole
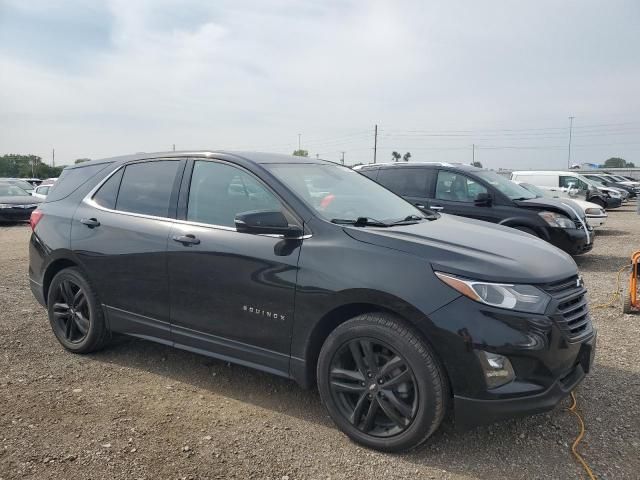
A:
{"x":299,"y":137}
{"x":473,"y":154}
{"x":342,"y":159}
{"x":317,"y":155}
{"x":570,"y":132}
{"x":53,"y":158}
{"x":375,"y":143}
{"x":174,"y":147}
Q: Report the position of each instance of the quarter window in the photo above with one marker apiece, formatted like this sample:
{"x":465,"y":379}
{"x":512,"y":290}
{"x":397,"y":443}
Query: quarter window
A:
{"x":219,"y":192}
{"x":456,"y":187}
{"x":108,"y":193}
{"x":146,"y":187}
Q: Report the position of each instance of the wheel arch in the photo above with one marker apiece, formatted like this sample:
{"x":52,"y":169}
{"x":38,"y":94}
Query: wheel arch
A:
{"x":52,"y":269}
{"x":304,"y":370}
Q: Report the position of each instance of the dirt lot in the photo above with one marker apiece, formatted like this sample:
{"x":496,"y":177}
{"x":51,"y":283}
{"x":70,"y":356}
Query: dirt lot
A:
{"x":140,"y":410}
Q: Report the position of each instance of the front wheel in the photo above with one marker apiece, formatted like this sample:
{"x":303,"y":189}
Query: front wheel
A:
{"x":381,"y":383}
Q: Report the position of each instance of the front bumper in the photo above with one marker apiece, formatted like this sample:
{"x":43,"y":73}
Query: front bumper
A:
{"x":596,"y":221}
{"x":547,"y":363}
{"x":16,"y":214}
{"x":574,"y":241}
{"x":613,"y":202}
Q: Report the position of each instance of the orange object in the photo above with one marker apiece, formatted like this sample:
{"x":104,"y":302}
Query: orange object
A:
{"x":630,"y":301}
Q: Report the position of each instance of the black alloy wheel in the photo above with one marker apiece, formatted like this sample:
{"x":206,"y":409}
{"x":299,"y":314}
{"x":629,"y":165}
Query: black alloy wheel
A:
{"x":71,"y":312}
{"x":374,"y":387}
{"x":381,"y":382}
{"x":75,"y":313}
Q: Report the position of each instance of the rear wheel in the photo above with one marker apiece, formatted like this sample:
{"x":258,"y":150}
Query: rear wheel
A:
{"x":75,"y":314}
{"x":381,"y":384}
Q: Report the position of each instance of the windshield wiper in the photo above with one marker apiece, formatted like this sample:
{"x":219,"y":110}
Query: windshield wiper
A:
{"x":360,"y":222}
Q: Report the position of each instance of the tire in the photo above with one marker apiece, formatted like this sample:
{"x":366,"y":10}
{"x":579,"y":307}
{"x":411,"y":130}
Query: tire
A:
{"x":626,"y":300}
{"x":402,"y":362}
{"x":527,"y":230}
{"x":79,"y":327}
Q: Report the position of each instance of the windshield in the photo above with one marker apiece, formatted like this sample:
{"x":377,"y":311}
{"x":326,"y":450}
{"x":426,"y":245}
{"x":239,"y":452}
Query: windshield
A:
{"x":510,"y":189}
{"x":533,"y":189}
{"x":597,"y":181}
{"x":337,"y":192}
{"x":23,"y":184}
{"x":8,"y":190}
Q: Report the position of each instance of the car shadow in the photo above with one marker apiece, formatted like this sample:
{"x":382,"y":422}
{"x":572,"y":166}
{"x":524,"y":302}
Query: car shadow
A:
{"x":595,"y":262}
{"x":541,"y":442}
{"x":610,"y":233}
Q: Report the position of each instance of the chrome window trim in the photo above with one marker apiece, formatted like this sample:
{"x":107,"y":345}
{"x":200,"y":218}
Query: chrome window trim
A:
{"x":88,"y":200}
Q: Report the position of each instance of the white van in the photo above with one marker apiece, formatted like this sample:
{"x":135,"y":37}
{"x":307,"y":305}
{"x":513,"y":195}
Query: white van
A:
{"x":571,"y":182}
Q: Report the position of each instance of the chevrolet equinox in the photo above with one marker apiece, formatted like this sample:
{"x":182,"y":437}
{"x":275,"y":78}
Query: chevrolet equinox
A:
{"x":309,"y":270}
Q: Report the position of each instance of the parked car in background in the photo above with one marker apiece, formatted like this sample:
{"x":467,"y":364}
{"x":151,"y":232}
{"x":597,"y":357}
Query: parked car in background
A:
{"x":41,"y":191}
{"x":33,"y":181}
{"x":623,"y":180}
{"x":400,"y":315}
{"x":573,"y":183}
{"x":19,"y":182}
{"x":596,"y":215}
{"x":484,"y":195}
{"x":606,"y":181}
{"x":16,"y":205}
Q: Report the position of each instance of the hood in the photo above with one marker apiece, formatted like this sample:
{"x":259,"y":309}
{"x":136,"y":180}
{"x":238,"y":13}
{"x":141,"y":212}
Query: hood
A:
{"x":20,"y":200}
{"x":474,"y":249}
{"x":542,"y":203}
{"x":583,"y":204}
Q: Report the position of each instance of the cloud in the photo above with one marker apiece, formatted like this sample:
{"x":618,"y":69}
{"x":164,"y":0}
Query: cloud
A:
{"x":122,"y":76}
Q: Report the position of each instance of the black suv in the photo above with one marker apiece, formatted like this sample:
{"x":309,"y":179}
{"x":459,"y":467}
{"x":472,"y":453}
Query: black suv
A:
{"x":309,"y":270}
{"x":484,"y":195}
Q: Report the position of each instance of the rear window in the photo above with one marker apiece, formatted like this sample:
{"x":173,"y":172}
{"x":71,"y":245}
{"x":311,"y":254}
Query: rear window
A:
{"x":146,"y":187}
{"x":71,"y":179}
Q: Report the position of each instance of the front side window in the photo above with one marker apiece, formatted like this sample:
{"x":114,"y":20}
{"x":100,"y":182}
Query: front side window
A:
{"x":42,"y":190}
{"x":146,"y":187}
{"x":457,"y":187}
{"x":219,"y":191}
{"x":339,"y":193}
{"x":572,"y":182}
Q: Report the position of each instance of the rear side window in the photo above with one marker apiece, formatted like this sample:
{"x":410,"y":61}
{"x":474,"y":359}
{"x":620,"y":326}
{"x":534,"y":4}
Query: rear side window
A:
{"x":108,"y":193}
{"x":369,"y":172}
{"x":146,"y":187}
{"x":411,"y":182}
{"x":71,"y":179}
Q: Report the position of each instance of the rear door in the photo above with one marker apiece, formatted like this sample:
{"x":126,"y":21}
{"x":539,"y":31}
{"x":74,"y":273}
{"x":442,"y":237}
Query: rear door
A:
{"x":119,"y":235}
{"x":413,"y":183}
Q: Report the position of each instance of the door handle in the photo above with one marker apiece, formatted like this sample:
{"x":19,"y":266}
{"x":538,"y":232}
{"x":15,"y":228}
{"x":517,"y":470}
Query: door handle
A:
{"x":186,"y":240}
{"x":436,"y":208}
{"x":90,"y":222}
{"x":419,"y":205}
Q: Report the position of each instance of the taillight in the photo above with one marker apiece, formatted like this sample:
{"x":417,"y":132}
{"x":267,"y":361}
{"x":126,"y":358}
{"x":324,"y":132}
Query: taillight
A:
{"x":36,"y":215}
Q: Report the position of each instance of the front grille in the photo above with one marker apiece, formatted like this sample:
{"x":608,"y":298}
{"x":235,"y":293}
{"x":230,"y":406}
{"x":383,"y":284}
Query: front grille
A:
{"x":572,"y":310}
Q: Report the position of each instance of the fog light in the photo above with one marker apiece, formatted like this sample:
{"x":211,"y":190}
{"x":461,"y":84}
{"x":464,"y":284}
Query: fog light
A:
{"x":497,"y":368}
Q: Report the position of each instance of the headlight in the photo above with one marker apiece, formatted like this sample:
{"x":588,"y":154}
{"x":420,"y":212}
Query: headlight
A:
{"x":557,"y":220}
{"x":613,"y":194}
{"x":594,"y":211}
{"x":524,"y":298}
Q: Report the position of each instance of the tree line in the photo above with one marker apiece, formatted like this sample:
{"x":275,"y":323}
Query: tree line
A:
{"x":26,"y":166}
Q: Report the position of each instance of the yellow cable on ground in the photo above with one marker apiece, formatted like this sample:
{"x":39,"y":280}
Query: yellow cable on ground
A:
{"x":574,"y":447}
{"x":615,"y":296}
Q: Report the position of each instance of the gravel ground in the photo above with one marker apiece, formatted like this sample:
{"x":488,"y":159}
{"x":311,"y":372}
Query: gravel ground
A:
{"x":141,"y":410}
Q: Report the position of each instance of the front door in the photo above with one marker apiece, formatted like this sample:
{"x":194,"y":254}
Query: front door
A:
{"x":455,"y":193}
{"x":232,"y":294}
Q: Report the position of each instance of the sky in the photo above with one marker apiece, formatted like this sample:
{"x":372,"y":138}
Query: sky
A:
{"x":94,"y":79}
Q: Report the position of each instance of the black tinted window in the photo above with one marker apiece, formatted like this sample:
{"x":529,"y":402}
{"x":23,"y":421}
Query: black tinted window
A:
{"x":146,"y":187}
{"x":108,"y":192}
{"x":371,"y":173}
{"x":457,"y":187}
{"x":71,"y":179}
{"x":219,"y":191}
{"x":411,"y":182}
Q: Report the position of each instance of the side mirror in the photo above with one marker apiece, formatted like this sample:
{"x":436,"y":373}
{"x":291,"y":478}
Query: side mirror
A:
{"x":266,"y":222}
{"x":483,"y":199}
